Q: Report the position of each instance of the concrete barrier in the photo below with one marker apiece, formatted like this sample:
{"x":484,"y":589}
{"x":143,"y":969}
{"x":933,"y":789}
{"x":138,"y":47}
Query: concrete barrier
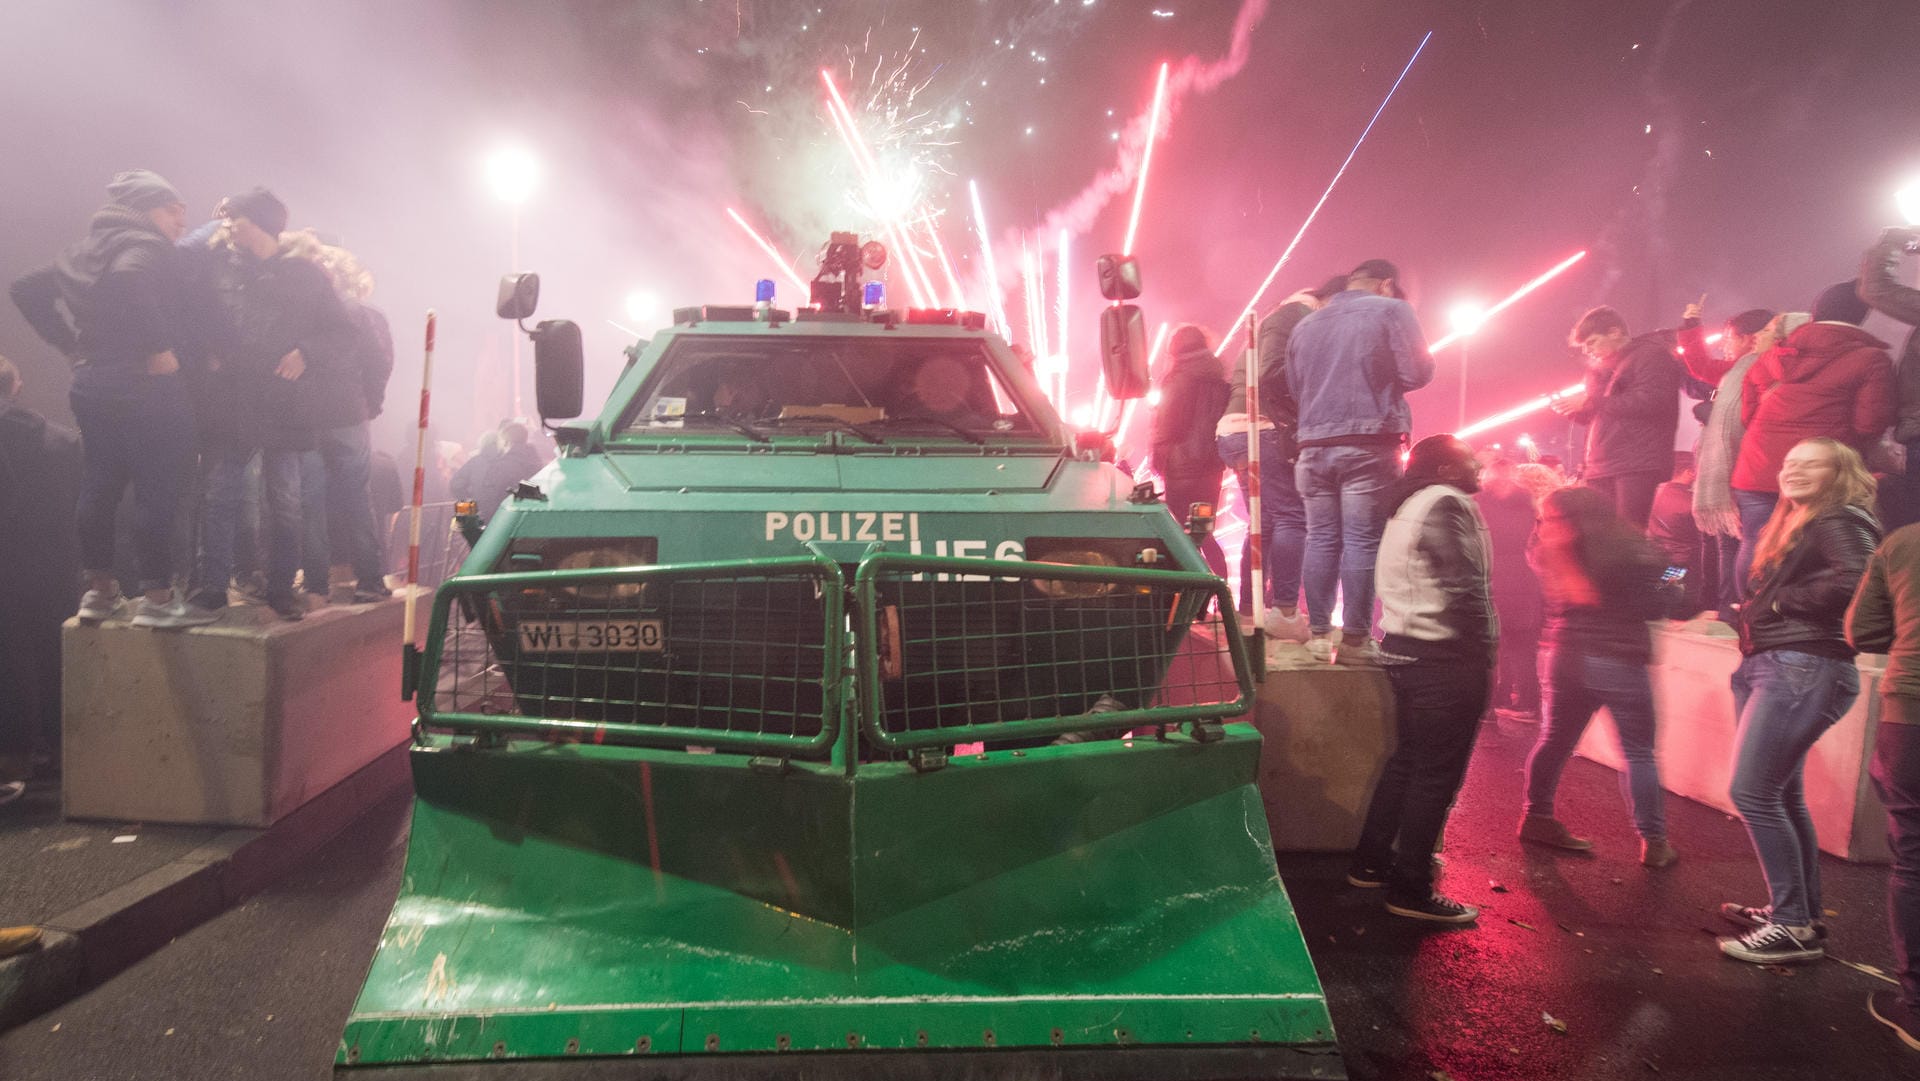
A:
{"x":1327,"y":731}
{"x":234,"y":724}
{"x":1693,"y":701}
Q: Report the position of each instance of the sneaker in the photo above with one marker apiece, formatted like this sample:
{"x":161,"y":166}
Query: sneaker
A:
{"x":172,"y":615}
{"x":1657,"y":853}
{"x":12,"y":790}
{"x":1284,"y":628}
{"x":1362,"y":654}
{"x":17,"y":939}
{"x":1363,"y":877}
{"x":98,"y":605}
{"x":1760,"y":916}
{"x":363,"y":595}
{"x":1320,"y":648}
{"x":289,"y":607}
{"x":1435,"y":909}
{"x":1547,"y":830}
{"x":1774,"y":944}
{"x":1886,"y":1008}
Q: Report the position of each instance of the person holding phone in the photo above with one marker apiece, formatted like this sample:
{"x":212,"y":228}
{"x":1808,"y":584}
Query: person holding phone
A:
{"x":1603,"y":581}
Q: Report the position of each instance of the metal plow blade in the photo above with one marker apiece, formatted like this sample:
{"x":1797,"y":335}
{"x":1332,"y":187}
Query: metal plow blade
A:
{"x":1107,"y":910}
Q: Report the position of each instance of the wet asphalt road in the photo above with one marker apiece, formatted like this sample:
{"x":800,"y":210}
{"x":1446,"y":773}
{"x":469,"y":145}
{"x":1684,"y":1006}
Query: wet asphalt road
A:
{"x":1623,"y":957}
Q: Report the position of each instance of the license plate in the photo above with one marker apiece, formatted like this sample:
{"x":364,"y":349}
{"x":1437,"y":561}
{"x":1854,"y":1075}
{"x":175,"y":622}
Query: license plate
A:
{"x":599,"y":636}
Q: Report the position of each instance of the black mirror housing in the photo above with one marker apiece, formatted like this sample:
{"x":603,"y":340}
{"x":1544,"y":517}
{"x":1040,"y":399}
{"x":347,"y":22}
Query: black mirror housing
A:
{"x":519,"y":296}
{"x":1123,"y":351}
{"x":1119,"y":277}
{"x":559,"y":369}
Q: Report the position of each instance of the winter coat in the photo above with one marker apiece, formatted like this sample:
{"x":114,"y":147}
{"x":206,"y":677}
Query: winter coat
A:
{"x":1880,"y":288}
{"x":1432,"y":575}
{"x":1802,"y":604}
{"x":1191,"y":403}
{"x":1633,"y":410}
{"x":1350,"y":366}
{"x":119,"y":288}
{"x":1270,"y":346}
{"x":352,"y":390}
{"x":274,"y":306}
{"x":1719,"y":446}
{"x":1885,"y":614}
{"x":1831,"y":379}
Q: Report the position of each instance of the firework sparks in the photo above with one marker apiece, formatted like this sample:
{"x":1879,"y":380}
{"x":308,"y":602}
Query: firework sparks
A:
{"x":1482,"y":317}
{"x":1146,"y":160}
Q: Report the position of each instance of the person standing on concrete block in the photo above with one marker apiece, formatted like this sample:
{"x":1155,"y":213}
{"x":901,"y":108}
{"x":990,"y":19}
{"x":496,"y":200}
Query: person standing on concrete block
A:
{"x":1882,"y":287}
{"x":1283,"y":517}
{"x":121,"y":291}
{"x":1441,"y":637}
{"x":1603,"y":582}
{"x":1745,"y":337}
{"x":39,"y":548}
{"x":1185,"y":453}
{"x":1631,"y":405}
{"x":1796,"y":678}
{"x":1885,"y":618}
{"x":1350,"y":367}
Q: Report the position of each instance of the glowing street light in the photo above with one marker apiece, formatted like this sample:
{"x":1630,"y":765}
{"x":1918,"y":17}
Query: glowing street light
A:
{"x":1467,"y":317}
{"x":1908,"y":200}
{"x":641,"y":306}
{"x":513,"y":173}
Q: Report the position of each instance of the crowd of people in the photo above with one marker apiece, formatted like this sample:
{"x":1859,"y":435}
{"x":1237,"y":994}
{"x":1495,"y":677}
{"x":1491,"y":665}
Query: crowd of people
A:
{"x":1513,"y":585}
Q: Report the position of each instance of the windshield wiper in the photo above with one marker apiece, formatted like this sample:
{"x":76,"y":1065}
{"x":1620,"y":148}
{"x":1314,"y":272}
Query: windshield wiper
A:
{"x":827,"y":418}
{"x":963,"y":432}
{"x":747,"y":430}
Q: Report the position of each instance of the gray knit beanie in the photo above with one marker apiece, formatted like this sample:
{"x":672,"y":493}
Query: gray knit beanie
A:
{"x":142,"y":189}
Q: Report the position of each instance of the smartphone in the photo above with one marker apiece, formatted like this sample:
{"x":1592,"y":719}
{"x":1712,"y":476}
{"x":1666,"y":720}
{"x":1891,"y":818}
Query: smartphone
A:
{"x":1673,"y":574}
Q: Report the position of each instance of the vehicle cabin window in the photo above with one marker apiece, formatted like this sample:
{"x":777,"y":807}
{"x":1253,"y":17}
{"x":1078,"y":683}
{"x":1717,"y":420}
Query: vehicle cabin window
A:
{"x":906,"y":387}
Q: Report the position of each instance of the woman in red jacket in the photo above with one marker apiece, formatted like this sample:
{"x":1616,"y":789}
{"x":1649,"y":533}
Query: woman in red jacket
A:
{"x":1829,"y":378}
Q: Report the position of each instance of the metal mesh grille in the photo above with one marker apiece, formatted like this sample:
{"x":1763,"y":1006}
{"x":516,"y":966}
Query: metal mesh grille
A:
{"x":737,"y":657}
{"x":1028,"y":650}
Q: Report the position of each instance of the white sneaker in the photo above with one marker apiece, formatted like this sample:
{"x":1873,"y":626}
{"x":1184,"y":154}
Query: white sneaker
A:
{"x":1320,"y":647}
{"x":172,"y":615}
{"x":1363,"y":655}
{"x":1282,"y":628}
{"x":99,"y":605}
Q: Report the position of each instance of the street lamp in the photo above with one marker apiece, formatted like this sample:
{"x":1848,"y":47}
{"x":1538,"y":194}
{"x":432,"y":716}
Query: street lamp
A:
{"x":641,"y":307}
{"x":1467,"y":317}
{"x":1908,"y":200}
{"x":513,"y":173}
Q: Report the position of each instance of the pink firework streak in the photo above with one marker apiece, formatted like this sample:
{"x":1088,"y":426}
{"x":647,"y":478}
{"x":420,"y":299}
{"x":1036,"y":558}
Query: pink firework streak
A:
{"x":1557,"y":270}
{"x":772,"y":253}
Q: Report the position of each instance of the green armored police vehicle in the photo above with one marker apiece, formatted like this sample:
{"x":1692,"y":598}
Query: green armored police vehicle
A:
{"x":830,"y":709}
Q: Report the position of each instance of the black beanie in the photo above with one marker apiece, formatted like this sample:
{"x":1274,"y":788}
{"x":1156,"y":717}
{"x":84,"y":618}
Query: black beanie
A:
{"x":1840,"y":303}
{"x":1188,"y":340}
{"x":142,"y":189}
{"x":261,"y":207}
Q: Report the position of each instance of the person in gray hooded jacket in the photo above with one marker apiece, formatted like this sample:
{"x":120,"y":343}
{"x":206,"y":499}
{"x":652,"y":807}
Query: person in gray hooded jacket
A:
{"x":1881,"y":288}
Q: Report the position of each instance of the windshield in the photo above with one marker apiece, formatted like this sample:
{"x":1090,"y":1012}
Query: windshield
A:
{"x":886,"y":388}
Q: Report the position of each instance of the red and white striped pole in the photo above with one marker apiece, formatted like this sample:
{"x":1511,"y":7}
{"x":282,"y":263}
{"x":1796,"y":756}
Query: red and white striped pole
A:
{"x":1256,"y":538}
{"x":419,"y":485}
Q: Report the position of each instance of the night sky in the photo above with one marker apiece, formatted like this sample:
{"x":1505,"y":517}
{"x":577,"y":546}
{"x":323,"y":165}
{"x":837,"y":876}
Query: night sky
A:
{"x":1745,"y":150}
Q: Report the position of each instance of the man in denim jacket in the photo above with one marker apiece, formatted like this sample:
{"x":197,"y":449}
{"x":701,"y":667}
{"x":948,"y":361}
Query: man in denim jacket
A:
{"x":1349,"y":368}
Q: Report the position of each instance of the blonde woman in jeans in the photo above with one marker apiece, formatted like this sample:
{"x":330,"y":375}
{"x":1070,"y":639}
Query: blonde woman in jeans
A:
{"x":1796,"y":679}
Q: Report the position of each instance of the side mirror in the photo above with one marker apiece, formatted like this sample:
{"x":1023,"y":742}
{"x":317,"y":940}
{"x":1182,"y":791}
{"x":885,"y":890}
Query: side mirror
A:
{"x":1123,"y":351}
{"x":559,"y":368}
{"x":519,"y":296}
{"x":1119,"y":277}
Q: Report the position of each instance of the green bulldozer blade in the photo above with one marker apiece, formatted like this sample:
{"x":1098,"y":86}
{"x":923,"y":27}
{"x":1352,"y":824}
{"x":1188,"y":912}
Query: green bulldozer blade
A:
{"x":1109,"y":907}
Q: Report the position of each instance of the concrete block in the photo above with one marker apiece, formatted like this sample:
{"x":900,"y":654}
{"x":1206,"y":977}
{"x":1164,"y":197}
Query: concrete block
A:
{"x":1693,"y":702}
{"x":1327,"y":732}
{"x":234,"y":724}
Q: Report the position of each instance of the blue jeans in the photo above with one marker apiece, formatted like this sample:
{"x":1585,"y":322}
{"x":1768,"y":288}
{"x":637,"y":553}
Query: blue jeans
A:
{"x":1575,"y":685}
{"x":1755,"y":508}
{"x":293,"y":495}
{"x":1784,"y":700}
{"x":1345,"y":489}
{"x":1283,"y":518}
{"x":1896,"y":776}
{"x":135,"y":429}
{"x":347,"y":453}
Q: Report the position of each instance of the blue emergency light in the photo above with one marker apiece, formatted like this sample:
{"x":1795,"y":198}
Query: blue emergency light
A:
{"x":763,"y":291}
{"x":875,"y":295}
